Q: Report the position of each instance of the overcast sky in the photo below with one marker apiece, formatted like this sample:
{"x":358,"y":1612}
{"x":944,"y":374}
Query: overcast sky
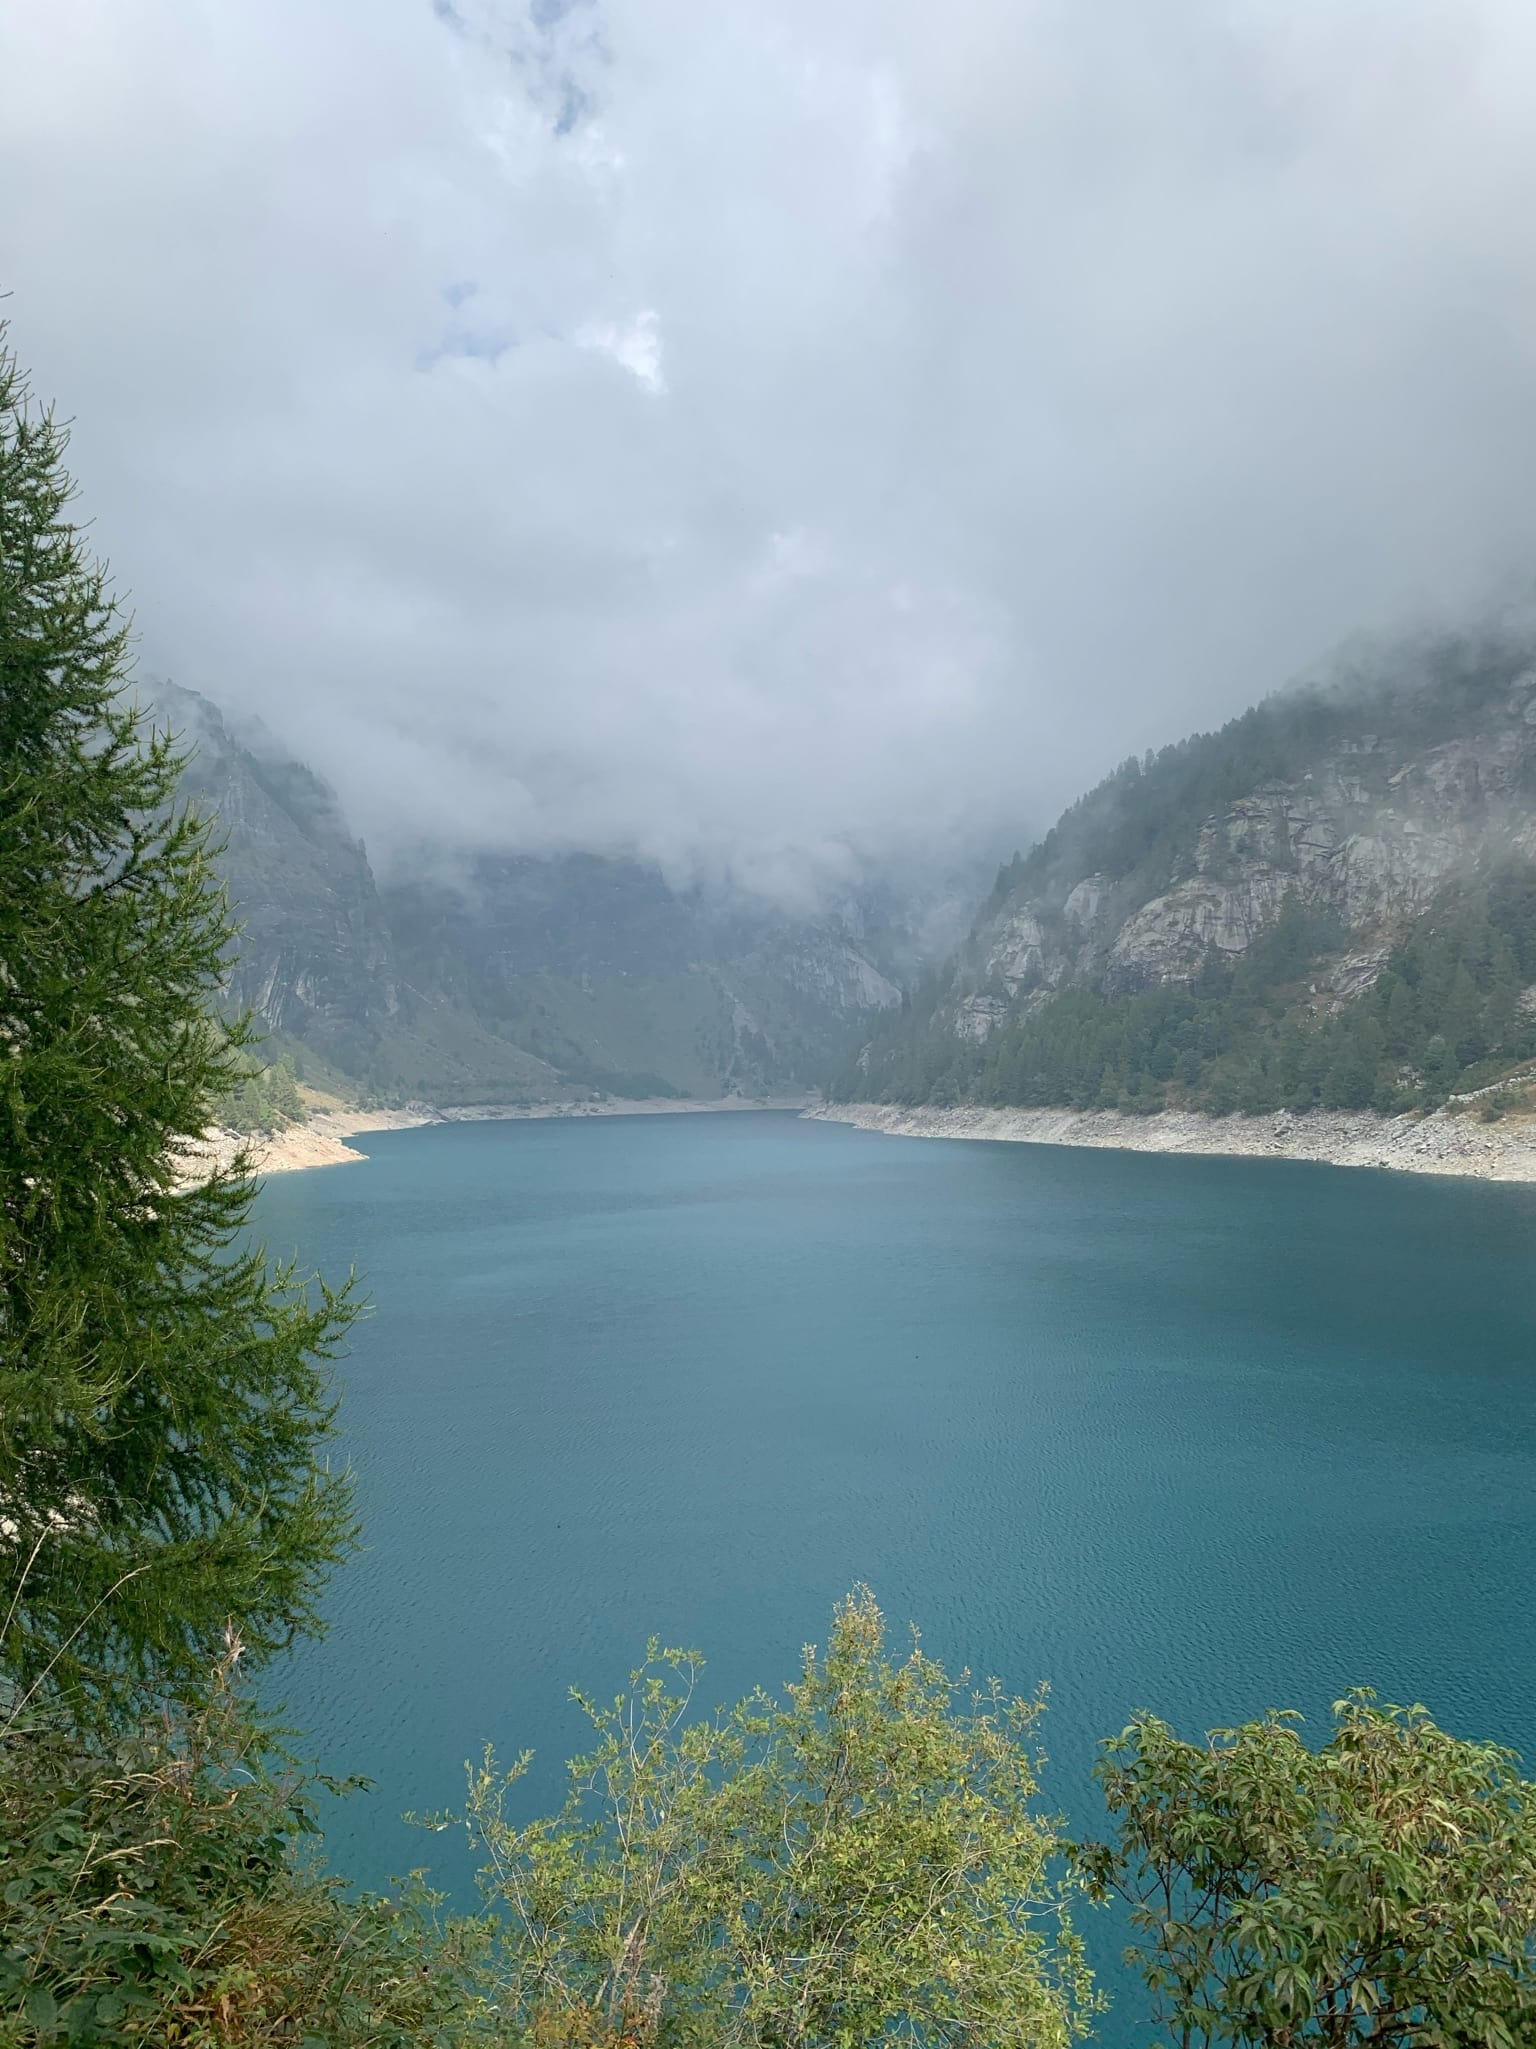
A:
{"x":746,"y":428}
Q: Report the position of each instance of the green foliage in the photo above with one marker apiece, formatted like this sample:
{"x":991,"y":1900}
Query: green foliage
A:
{"x":1250,"y":1034}
{"x":861,"y":1864}
{"x":159,"y":1890}
{"x":1381,"y":1890}
{"x":163,"y":1395}
{"x":267,"y":1099}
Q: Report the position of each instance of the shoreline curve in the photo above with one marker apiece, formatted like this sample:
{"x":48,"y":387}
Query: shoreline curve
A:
{"x":1439,"y":1143}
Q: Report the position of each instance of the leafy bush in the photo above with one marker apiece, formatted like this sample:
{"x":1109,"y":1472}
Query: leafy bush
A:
{"x":161,"y":1888}
{"x":1380,"y":1890}
{"x":861,"y":1864}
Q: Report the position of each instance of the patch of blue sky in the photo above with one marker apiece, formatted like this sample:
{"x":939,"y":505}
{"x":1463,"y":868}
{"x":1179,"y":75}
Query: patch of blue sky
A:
{"x":487,"y":345}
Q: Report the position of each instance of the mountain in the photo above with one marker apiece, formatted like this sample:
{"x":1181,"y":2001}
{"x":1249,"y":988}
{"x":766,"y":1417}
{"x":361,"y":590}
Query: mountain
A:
{"x":622,"y":984}
{"x":317,"y":961}
{"x":487,"y":978}
{"x":1330,"y":902}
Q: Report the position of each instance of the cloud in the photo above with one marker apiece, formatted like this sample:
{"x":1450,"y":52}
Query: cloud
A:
{"x":635,"y":347}
{"x":755,"y":432}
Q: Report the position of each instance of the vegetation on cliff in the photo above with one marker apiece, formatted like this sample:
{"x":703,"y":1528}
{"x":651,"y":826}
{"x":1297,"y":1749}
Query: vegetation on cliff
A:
{"x":1426,"y":995}
{"x":1139,"y":824}
{"x":265,"y":1099}
{"x":1447,"y":1014}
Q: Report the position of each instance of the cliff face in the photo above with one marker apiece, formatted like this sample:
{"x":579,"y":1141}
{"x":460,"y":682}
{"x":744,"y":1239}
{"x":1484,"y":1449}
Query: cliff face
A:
{"x":1366,"y":833}
{"x":315,"y":960}
{"x":505,"y":979}
{"x":1330,"y":904}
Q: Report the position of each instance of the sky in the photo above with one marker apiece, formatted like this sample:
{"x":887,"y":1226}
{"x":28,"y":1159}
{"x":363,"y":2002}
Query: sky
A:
{"x":774,"y":435}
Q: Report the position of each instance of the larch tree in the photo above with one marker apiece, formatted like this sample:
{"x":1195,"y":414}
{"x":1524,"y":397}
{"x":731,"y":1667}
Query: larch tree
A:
{"x":164,"y":1392}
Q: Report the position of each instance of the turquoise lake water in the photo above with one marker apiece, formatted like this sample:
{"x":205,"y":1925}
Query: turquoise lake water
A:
{"x":1203,"y":1436}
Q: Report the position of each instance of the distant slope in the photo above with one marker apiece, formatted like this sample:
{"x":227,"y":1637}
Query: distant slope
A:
{"x":316,"y":961}
{"x":622,"y":984}
{"x":1330,"y":902}
{"x":498,"y":978}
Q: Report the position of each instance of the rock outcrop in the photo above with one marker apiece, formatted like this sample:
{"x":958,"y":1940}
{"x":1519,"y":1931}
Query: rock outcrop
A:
{"x":1375,"y":820}
{"x":315,"y":960}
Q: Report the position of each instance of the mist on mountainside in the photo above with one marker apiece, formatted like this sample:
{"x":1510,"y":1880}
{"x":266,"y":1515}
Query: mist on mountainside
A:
{"x":460,"y":977}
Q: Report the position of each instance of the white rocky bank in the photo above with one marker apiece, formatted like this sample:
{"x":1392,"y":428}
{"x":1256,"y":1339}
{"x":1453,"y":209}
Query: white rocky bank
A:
{"x":1437,"y":1144}
{"x":320,"y":1142}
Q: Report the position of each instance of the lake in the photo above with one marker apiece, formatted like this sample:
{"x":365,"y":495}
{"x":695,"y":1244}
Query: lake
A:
{"x":1202,"y":1436}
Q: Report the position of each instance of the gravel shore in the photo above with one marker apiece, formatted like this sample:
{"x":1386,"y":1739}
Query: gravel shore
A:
{"x":322,"y":1140}
{"x":1437,"y":1144}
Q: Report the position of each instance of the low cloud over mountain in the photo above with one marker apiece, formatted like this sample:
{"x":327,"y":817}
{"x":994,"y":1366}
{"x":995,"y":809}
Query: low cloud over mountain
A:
{"x":763,"y":436}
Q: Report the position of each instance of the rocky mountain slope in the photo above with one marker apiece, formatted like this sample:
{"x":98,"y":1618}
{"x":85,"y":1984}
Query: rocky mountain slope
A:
{"x":1331,"y":902}
{"x":507,"y":979}
{"x":317,"y":962}
{"x":620,"y":983}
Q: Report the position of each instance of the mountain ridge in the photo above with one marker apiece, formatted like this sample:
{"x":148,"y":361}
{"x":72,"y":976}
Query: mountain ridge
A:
{"x":460,"y":977}
{"x":1329,"y":903}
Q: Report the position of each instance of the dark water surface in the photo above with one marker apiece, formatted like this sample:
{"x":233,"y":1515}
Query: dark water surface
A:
{"x":1204,"y":1436}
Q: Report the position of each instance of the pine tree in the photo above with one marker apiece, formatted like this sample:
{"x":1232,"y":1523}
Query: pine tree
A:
{"x":163,"y":1392}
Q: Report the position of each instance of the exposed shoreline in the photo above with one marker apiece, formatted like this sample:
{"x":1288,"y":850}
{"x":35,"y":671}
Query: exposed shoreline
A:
{"x":1436,"y":1144}
{"x":618,"y":1106}
{"x":322,"y":1140}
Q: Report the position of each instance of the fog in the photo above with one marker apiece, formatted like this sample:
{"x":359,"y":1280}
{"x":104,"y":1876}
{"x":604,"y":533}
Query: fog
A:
{"x":773,"y":434}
